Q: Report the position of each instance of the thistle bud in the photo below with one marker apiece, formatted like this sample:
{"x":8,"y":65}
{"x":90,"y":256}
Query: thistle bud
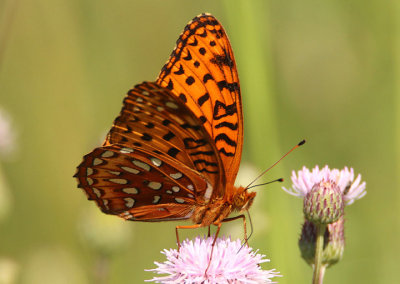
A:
{"x":323,"y":204}
{"x":333,"y":251}
{"x":333,"y":242}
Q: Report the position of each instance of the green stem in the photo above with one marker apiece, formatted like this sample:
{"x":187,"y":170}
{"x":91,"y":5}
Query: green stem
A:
{"x":321,"y":274}
{"x":319,"y":269}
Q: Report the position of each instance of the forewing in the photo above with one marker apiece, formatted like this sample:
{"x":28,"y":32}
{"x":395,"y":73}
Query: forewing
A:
{"x":202,"y":73}
{"x":152,"y":119}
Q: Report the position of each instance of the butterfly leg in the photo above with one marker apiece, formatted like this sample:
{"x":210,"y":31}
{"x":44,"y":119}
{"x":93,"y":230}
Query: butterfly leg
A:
{"x":244,"y":225}
{"x":213,"y":244}
{"x":184,"y":227}
{"x":209,"y":231}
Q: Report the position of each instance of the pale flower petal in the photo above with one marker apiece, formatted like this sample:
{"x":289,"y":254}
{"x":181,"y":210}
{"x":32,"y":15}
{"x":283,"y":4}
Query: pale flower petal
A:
{"x":231,"y":263}
{"x":304,"y":181}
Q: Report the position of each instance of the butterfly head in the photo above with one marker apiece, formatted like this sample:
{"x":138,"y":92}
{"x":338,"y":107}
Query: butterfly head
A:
{"x":243,"y":199}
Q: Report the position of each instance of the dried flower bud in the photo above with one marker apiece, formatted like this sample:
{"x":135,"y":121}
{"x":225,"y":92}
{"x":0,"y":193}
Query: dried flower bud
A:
{"x":323,"y":204}
{"x":333,"y":251}
{"x":333,"y":242}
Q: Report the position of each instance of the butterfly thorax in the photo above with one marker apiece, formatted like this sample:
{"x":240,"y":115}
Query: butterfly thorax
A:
{"x":217,"y":210}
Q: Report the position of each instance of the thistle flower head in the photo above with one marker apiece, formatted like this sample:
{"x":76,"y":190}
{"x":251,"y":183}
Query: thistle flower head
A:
{"x":231,"y":263}
{"x":323,"y":204}
{"x":304,"y":181}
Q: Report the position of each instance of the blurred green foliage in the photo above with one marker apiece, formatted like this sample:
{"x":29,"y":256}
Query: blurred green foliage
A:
{"x":325,"y":71}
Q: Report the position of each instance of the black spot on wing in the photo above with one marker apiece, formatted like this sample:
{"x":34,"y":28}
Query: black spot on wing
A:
{"x":180,"y":71}
{"x":168,"y":136}
{"x":203,"y":99}
{"x":195,"y":42}
{"x":183,"y":98}
{"x":146,"y":137}
{"x":203,"y":119}
{"x":189,"y":126}
{"x":223,"y":151}
{"x":128,"y":129}
{"x":228,"y":125}
{"x":173,"y":152}
{"x":232,"y":87}
{"x":190,"y":80}
{"x":170,"y":85}
{"x":207,"y":163}
{"x":191,"y":143}
{"x":207,"y":77}
{"x":225,"y":138}
{"x":208,"y":171}
{"x":204,"y":33}
{"x":149,"y":125}
{"x":222,"y":60}
{"x":166,"y":122}
{"x":221,"y":110}
{"x":188,"y":57}
{"x":206,"y":153}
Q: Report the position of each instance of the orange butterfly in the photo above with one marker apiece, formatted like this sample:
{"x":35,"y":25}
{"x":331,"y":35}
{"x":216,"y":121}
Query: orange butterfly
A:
{"x":174,"y":151}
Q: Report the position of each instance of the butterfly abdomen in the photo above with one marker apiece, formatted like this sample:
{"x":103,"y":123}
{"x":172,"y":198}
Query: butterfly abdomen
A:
{"x":211,"y":213}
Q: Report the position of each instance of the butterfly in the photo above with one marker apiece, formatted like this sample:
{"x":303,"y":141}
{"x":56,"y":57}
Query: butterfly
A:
{"x":174,"y":151}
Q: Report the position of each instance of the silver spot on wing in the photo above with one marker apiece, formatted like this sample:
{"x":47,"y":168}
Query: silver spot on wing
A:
{"x":130,"y":170}
{"x":142,"y":165}
{"x":118,"y":180}
{"x":154,"y":185}
{"x":179,"y":200}
{"x":129,"y":202}
{"x":177,"y":175}
{"x":130,"y":190}
{"x":107,"y":154}
{"x":126,"y":150}
{"x":156,"y":199}
{"x":156,"y":161}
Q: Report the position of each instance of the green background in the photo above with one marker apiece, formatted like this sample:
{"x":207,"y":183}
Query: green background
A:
{"x":327,"y":71}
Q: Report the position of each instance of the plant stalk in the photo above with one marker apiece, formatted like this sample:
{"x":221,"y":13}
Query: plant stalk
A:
{"x":319,"y":269}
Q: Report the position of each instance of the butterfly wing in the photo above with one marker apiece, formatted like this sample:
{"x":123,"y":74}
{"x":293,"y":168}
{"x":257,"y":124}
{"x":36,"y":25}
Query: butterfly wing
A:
{"x":139,"y":185}
{"x":177,"y":142}
{"x":155,"y":121}
{"x":156,"y":162}
{"x":202,"y":73}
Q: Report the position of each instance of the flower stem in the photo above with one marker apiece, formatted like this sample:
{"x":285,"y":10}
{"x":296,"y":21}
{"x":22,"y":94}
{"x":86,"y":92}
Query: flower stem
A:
{"x":319,"y":269}
{"x":322,"y":273}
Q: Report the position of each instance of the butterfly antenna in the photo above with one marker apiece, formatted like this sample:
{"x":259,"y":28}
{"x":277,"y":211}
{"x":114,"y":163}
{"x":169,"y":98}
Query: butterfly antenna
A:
{"x":260,"y":175}
{"x":279,"y":180}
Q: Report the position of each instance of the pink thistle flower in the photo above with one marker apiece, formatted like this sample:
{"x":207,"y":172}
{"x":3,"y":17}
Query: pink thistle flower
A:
{"x":231,"y":263}
{"x":305,"y":180}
